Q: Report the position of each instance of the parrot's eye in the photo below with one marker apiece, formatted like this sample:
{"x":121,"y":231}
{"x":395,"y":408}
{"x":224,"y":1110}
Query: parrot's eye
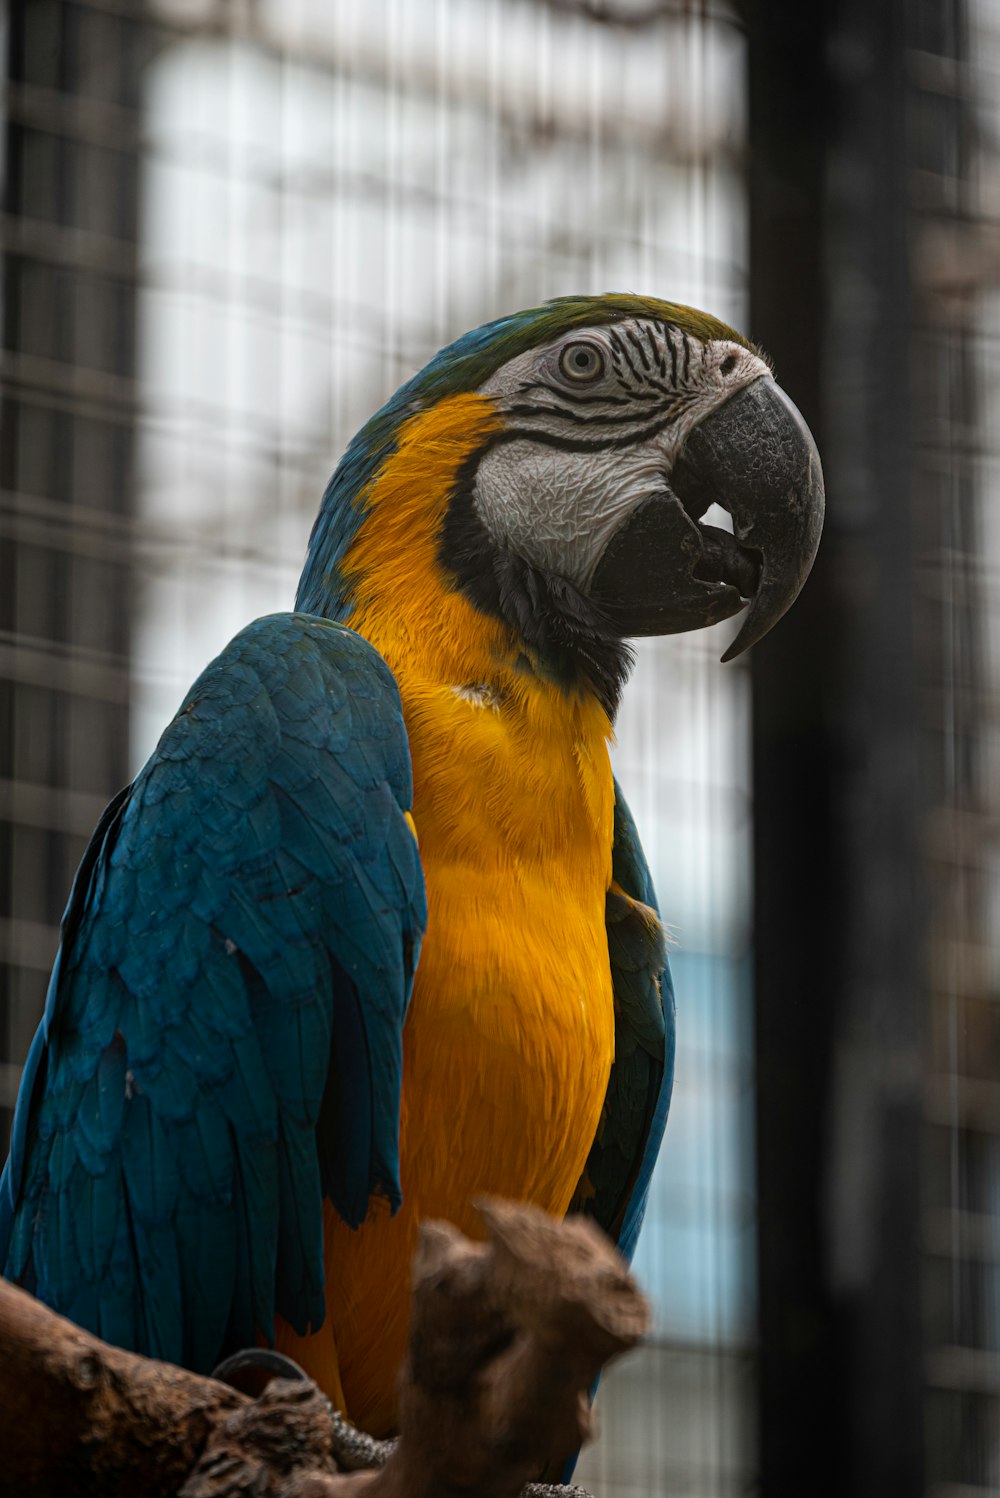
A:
{"x":581,"y":362}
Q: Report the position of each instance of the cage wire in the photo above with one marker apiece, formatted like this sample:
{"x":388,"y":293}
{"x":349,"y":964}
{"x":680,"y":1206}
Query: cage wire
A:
{"x":229,"y":232}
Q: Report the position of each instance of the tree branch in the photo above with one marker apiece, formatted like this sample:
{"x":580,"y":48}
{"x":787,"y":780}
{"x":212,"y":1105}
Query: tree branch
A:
{"x":507,"y":1338}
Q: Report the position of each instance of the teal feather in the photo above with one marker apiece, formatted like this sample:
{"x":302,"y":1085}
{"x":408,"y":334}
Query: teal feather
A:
{"x":222,"y":1035}
{"x":615,"y":1184}
{"x":222,"y":1038}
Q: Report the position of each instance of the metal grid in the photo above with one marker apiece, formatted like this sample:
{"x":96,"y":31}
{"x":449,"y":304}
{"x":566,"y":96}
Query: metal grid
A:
{"x":229,"y":231}
{"x":66,"y":453}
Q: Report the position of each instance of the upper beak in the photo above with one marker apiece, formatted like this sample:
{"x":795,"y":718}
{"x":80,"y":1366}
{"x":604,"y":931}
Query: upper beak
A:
{"x":662,"y":572}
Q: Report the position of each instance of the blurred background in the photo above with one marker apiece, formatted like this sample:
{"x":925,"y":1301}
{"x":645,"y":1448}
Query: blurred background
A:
{"x":229,"y":229}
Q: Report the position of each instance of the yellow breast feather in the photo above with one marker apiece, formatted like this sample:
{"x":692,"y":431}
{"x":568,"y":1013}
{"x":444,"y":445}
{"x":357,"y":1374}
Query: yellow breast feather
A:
{"x":509,"y":1039}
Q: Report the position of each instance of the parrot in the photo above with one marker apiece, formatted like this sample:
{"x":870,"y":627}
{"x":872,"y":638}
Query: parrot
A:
{"x":372,"y":934}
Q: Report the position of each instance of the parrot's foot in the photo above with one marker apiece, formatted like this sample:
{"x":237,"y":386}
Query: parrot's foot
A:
{"x":253,"y":1368}
{"x":355,"y":1450}
{"x":552,"y":1490}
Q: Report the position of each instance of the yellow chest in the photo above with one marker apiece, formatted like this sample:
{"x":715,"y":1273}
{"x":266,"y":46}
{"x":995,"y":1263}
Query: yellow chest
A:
{"x":511,"y":1023}
{"x":509,"y":1039}
{"x":510,"y":1035}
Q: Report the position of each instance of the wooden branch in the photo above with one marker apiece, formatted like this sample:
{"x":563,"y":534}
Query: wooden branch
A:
{"x":507,"y":1338}
{"x":80,"y":1417}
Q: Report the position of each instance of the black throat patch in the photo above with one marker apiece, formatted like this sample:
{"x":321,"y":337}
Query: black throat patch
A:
{"x":564,"y":634}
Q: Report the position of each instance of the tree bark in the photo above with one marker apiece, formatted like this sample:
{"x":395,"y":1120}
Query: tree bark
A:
{"x":506,"y":1341}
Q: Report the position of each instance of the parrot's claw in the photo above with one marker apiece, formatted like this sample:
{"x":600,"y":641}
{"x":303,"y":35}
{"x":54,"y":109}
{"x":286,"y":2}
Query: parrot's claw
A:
{"x":355,"y":1450}
{"x":253,"y":1368}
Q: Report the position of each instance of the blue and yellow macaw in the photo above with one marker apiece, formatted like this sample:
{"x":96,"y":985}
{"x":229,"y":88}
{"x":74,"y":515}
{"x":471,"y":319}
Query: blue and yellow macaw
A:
{"x":226,"y":1132}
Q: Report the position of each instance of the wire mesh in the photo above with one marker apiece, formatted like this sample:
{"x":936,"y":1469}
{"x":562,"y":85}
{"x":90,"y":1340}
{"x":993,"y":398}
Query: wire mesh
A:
{"x":229,"y":231}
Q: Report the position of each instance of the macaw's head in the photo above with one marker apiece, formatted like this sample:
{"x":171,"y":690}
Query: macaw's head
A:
{"x":553,"y":469}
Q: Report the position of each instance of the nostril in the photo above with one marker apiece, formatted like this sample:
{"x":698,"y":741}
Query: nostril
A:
{"x":728,"y":365}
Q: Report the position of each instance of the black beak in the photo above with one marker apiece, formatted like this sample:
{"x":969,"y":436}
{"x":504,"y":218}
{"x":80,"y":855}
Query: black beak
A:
{"x":662,"y":572}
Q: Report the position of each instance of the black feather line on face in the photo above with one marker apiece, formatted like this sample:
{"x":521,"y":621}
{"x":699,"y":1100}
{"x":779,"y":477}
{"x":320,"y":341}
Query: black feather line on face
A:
{"x":602,"y":444}
{"x":620,"y":349}
{"x":657,"y":351}
{"x":640,"y":348}
{"x":578,"y":399}
{"x":566,"y":633}
{"x":595,"y":420}
{"x":673,"y":356}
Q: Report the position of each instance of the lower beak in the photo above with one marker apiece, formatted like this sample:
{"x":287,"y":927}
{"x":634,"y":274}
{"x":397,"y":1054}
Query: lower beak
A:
{"x":662,"y":572}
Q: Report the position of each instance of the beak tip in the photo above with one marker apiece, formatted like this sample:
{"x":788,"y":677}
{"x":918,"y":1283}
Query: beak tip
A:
{"x":745,"y":636}
{"x":795,"y":517}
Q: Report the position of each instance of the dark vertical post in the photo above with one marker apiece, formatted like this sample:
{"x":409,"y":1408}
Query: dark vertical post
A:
{"x":839,"y":920}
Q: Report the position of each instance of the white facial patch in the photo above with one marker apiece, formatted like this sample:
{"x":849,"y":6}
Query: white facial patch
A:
{"x":559,"y":510}
{"x":600,"y":415}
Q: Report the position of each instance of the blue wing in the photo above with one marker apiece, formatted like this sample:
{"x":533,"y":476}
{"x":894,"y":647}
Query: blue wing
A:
{"x":222,"y":1037}
{"x":615,"y":1185}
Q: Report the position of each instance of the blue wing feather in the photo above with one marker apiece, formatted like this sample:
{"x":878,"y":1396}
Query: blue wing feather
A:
{"x":222,"y":1037}
{"x":614,"y":1188}
{"x":615,"y":1185}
